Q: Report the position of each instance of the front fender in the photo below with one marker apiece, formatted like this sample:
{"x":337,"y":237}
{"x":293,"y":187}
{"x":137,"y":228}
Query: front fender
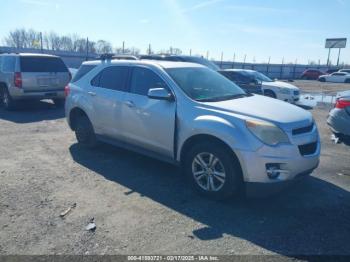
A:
{"x":235,"y":135}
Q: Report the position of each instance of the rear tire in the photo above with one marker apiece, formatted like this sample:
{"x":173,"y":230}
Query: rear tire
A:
{"x":6,"y":100}
{"x":213,"y":170}
{"x":59,"y":102}
{"x":270,"y":93}
{"x":322,"y":80}
{"x":84,"y":132}
{"x":347,"y":81}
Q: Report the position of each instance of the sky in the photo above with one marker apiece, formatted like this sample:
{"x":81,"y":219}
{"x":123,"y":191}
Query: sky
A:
{"x":289,"y":30}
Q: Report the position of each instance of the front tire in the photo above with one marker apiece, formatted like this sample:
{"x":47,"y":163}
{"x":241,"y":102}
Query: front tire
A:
{"x":84,"y":132}
{"x":213,"y":170}
{"x":322,"y":80}
{"x":6,"y":100}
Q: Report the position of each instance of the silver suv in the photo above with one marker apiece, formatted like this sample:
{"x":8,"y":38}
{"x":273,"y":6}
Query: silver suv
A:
{"x":32,"y":76}
{"x":190,"y":115}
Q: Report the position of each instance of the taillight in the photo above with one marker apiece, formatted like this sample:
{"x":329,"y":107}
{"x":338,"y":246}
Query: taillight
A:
{"x":66,"y":91}
{"x":341,"y":104}
{"x":18,"y":80}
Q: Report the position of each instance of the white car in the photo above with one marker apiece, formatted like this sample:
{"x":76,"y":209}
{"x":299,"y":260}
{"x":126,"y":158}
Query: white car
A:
{"x":337,"y":77}
{"x":344,"y":71}
{"x":278,"y":89}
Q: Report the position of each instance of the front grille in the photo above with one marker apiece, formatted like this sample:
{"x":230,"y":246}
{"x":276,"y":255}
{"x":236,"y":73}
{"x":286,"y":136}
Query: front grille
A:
{"x":303,"y":130}
{"x":308,"y":149}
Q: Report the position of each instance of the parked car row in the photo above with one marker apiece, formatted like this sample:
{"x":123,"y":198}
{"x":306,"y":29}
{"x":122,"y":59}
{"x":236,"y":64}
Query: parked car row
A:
{"x":332,"y":75}
{"x":214,"y":123}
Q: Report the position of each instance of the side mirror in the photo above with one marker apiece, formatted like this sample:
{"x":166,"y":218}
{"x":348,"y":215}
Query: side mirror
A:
{"x":160,"y":94}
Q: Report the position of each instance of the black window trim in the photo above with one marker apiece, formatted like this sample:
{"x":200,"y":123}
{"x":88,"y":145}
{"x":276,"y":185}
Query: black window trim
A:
{"x":167,"y":87}
{"x":127,"y":82}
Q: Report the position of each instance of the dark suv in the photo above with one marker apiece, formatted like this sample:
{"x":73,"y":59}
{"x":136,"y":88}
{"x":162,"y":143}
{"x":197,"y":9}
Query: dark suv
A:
{"x":244,"y":79}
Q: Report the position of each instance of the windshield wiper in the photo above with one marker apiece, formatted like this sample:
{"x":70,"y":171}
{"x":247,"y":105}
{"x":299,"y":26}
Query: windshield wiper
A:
{"x":222,"y":98}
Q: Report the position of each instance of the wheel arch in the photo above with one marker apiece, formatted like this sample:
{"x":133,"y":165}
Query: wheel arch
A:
{"x":74,"y":114}
{"x":269,"y":90}
{"x":198,"y":138}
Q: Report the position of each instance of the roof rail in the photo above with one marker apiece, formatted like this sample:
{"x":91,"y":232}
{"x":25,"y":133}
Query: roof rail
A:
{"x":107,"y":56}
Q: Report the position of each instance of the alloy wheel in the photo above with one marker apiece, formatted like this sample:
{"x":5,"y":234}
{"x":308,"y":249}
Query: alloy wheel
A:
{"x":208,"y":172}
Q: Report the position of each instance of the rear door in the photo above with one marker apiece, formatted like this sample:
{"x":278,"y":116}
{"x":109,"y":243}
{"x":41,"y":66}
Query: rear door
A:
{"x":42,"y":73}
{"x":107,"y":91}
{"x":148,"y":123}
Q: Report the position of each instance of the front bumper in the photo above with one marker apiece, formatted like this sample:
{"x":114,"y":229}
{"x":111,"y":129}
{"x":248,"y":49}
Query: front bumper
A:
{"x":253,"y":189}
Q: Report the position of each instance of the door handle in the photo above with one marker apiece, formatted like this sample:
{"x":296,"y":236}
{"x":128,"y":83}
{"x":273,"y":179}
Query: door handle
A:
{"x":129,"y":104}
{"x":92,"y":93}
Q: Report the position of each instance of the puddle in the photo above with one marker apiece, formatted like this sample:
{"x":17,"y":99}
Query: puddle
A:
{"x":311,"y":100}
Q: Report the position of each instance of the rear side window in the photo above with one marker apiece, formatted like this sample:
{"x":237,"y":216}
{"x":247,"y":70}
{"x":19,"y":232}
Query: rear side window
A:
{"x":42,"y":64}
{"x":83,"y":70}
{"x":113,"y":78}
{"x":8,"y":64}
{"x":144,"y":79}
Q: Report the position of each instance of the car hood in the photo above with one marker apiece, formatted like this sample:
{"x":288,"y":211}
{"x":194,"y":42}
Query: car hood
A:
{"x":280,"y":84}
{"x":283,"y":114}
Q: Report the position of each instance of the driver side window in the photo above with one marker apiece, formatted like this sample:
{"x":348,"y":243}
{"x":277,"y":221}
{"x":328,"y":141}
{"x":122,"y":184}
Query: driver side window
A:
{"x":144,"y":79}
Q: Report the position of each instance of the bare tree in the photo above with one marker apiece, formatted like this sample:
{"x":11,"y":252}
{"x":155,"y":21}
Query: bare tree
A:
{"x":66,"y":43}
{"x":103,"y":47}
{"x":17,"y":38}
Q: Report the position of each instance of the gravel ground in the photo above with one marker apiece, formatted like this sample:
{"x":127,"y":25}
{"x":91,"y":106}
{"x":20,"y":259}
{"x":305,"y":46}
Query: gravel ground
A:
{"x":143,"y":206}
{"x":308,"y":86}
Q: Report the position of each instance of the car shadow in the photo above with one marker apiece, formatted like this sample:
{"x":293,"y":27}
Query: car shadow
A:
{"x":32,"y":111}
{"x":312,"y":218}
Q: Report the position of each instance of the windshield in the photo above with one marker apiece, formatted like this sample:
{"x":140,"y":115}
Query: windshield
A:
{"x":261,"y":77}
{"x":205,"y":85}
{"x":202,"y":61}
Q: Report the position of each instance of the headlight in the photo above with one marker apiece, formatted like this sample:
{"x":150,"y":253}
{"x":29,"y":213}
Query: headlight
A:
{"x":285,"y":91}
{"x":267,"y":132}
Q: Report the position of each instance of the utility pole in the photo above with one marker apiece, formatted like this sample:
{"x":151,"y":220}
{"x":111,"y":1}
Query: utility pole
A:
{"x":123,"y":47}
{"x":222,"y":58}
{"x":207,"y":54}
{"x":233,"y":61}
{"x":41,"y":42}
{"x":149,"y":49}
{"x":268,"y":66}
{"x":87,"y":48}
{"x":338,"y":57}
{"x":329,"y":54}
{"x":245,"y":57}
{"x":190,"y":52}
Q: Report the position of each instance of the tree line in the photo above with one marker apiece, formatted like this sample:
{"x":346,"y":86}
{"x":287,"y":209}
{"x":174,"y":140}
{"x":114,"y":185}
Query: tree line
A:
{"x":29,"y":38}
